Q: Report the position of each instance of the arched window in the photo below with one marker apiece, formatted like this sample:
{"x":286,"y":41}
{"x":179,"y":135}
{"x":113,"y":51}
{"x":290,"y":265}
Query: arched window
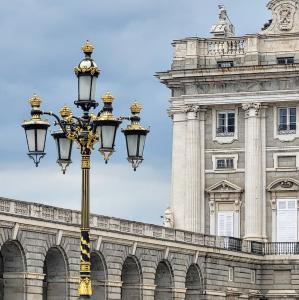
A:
{"x":194,"y":285}
{"x":131,"y":280}
{"x":163,"y":281}
{"x":55,"y":286}
{"x":98,"y":276}
{"x":12,"y":267}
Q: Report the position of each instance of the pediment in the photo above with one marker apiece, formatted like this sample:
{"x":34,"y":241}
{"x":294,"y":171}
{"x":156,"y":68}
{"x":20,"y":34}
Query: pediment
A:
{"x":284,"y":184}
{"x":224,"y":186}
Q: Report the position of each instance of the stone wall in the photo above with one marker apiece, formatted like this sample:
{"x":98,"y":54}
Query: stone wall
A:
{"x":37,"y":253}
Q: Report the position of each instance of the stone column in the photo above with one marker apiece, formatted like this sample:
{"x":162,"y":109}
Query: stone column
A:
{"x":193,"y":167}
{"x":254,"y":206}
{"x":178,"y":169}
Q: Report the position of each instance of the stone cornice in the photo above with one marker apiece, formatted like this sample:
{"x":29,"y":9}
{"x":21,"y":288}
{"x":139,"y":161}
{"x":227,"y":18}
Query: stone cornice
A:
{"x":239,"y":98}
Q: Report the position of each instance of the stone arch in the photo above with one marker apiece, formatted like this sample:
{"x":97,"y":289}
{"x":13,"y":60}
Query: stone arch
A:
{"x":98,"y":276}
{"x":12,"y":270}
{"x":164,"y":281}
{"x":55,"y":284}
{"x":194,"y":283}
{"x":131,"y":277}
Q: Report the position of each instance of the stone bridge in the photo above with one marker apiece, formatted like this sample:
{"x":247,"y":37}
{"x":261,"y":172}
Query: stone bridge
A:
{"x":40,"y":254}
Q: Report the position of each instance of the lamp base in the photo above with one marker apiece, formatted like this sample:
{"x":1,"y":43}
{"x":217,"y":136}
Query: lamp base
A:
{"x":85,"y":289}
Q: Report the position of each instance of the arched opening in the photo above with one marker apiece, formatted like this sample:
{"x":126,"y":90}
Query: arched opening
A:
{"x":194,"y":287}
{"x":163,"y":282}
{"x":131,"y":280}
{"x":98,"y":277}
{"x":12,"y":270}
{"x":55,"y":285}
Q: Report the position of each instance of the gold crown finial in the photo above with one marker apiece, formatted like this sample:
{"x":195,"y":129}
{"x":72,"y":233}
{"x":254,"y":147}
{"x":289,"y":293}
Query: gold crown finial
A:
{"x":87,"y":48}
{"x":136,"y":108}
{"x":35,"y":101}
{"x":108,"y":98}
{"x":65,"y":112}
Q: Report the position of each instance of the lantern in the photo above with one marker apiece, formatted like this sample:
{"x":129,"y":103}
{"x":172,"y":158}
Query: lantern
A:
{"x":135,"y":137}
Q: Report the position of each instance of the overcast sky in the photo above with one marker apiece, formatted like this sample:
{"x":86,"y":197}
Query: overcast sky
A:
{"x":41,"y":43}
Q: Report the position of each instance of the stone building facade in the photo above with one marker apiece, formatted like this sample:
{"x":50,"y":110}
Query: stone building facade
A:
{"x":232,"y":229}
{"x":40,"y":255}
{"x":235,"y":110}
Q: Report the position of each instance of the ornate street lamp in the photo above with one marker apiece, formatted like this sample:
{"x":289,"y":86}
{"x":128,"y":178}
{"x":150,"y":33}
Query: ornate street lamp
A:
{"x":85,"y":131}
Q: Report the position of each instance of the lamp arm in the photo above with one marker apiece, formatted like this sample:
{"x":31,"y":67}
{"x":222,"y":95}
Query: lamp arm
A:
{"x":50,"y":113}
{"x":121,"y":118}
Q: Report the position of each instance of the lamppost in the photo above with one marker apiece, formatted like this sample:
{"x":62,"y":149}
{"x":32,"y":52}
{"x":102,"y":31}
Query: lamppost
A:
{"x":86,"y":131}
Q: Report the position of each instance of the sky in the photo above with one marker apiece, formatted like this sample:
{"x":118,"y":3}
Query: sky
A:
{"x":41,"y":44}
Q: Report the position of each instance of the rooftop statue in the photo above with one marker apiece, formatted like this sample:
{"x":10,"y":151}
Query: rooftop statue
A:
{"x":224,"y":27}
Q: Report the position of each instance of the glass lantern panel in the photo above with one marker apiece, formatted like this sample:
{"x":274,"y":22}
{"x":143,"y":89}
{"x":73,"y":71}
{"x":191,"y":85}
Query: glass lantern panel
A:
{"x":65,"y":147}
{"x":41,"y":139}
{"x":108,"y":134}
{"x":141,"y":145}
{"x":84,"y":87}
{"x":30,"y":134}
{"x":93,"y":88}
{"x":132,"y":141}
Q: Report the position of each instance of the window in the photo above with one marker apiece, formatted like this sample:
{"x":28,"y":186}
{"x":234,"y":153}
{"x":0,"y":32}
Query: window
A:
{"x":225,"y":123}
{"x":287,"y":120}
{"x":287,"y":220}
{"x":225,"y":163}
{"x":225,"y":222}
{"x":285,"y":60}
{"x":225,"y":64}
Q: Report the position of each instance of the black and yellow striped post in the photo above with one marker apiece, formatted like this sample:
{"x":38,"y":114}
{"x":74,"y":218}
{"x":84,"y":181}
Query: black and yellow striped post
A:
{"x":85,"y":289}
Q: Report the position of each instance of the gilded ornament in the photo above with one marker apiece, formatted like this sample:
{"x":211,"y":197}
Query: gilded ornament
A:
{"x":87,"y":48}
{"x":85,"y":287}
{"x":35,"y":101}
{"x":91,"y":70}
{"x":85,"y":267}
{"x":85,"y":162}
{"x":135,"y":108}
{"x":107,"y":98}
{"x":65,"y":112}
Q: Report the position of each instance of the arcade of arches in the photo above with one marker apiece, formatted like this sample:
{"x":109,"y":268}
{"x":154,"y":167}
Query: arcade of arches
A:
{"x":56,"y":285}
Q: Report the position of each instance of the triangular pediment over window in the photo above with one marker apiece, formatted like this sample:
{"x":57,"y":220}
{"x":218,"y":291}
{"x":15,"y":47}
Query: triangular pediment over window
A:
{"x":283,"y":184}
{"x":224,"y":186}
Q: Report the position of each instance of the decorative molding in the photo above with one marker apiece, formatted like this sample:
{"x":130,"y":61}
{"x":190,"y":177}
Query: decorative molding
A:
{"x":277,"y":155}
{"x":224,"y":186}
{"x":283,"y":184}
{"x":251,"y":109}
{"x":59,"y":237}
{"x":285,"y":13}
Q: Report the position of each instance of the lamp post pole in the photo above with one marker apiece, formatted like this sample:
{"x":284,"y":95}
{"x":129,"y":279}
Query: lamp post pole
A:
{"x":86,"y":131}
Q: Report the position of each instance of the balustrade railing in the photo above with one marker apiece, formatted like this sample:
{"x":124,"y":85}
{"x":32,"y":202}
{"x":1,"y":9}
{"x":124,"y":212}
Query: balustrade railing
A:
{"x":71,"y":217}
{"x":281,"y":248}
{"x":226,"y":47}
